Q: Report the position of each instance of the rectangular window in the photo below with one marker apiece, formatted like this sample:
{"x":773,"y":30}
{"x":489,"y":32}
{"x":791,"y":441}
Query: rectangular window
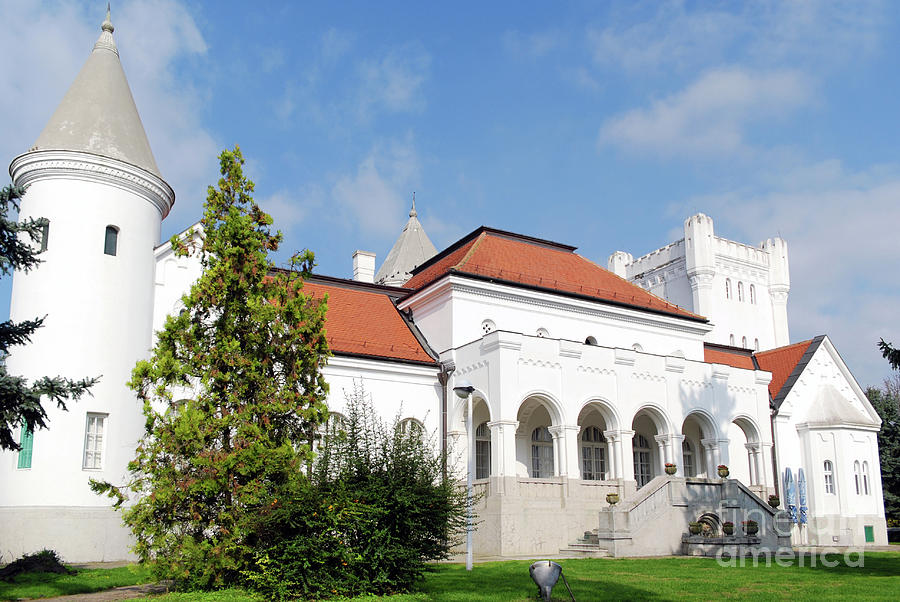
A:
{"x":870,"y":533}
{"x":26,"y":442}
{"x":482,"y":459}
{"x":94,"y":432}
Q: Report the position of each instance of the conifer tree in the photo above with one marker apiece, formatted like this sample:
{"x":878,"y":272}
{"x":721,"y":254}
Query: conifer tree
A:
{"x":20,"y":401}
{"x":232,"y":391}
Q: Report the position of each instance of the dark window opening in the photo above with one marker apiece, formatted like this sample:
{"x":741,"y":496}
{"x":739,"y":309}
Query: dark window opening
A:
{"x":45,"y":235}
{"x":111,"y":243}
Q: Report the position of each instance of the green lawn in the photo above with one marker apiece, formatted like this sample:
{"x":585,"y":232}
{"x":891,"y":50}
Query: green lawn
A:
{"x":602,"y":579}
{"x":47,"y":585}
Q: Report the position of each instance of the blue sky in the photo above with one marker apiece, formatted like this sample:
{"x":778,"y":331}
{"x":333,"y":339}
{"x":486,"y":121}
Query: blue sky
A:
{"x":601,"y":125}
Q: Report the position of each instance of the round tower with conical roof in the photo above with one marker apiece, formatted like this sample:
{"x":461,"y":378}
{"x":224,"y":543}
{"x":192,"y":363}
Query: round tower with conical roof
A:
{"x":92,"y":174}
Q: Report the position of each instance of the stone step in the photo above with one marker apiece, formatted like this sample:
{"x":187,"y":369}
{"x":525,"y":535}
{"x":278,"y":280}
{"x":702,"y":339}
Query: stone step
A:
{"x":584,"y":550}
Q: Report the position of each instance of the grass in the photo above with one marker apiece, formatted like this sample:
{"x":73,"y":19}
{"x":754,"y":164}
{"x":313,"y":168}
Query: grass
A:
{"x":47,"y":585}
{"x":647,"y":579}
{"x":590,"y":579}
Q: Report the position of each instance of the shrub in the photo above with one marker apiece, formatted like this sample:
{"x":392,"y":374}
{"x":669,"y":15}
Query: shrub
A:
{"x":376,"y":510}
{"x":45,"y":561}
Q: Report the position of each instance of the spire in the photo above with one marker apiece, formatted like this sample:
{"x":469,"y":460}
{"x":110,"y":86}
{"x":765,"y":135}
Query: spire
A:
{"x":412,"y":249}
{"x":98,"y":114}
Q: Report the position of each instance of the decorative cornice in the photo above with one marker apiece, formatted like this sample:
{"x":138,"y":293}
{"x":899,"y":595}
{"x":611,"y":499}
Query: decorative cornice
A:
{"x":38,"y":165}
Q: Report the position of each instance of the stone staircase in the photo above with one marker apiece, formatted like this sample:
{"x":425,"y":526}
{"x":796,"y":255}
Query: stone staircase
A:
{"x":586,"y":546}
{"x":655,"y":520}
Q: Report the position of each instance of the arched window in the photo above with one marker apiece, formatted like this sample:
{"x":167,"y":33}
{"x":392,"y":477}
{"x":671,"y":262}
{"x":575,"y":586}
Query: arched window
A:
{"x":637,"y":347}
{"x":541,"y":453}
{"x":687,"y":453}
{"x":728,"y":288}
{"x":857,"y":476}
{"x":111,"y":242}
{"x":744,"y":342}
{"x":865,"y":475}
{"x":590,"y":341}
{"x":543,"y":333}
{"x":412,"y":427}
{"x":593,"y":454}
{"x":829,"y":477}
{"x":752,"y":294}
{"x":641,"y":449}
{"x":488,"y":326}
{"x":482,"y":451}
{"x":731,"y":340}
{"x":740,"y":291}
{"x":756,"y":344}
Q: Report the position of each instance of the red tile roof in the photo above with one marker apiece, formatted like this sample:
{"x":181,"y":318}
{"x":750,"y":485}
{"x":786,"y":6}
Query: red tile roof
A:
{"x":736,"y":358}
{"x":511,"y":258}
{"x":366,"y":323}
{"x":781,"y":363}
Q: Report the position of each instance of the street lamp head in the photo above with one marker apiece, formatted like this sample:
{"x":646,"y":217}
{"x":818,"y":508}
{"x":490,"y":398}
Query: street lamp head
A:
{"x":463,"y":389}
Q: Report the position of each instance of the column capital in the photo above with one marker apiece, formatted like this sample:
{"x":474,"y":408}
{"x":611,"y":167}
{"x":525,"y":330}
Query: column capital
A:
{"x":754,"y":446}
{"x":710,"y":443}
{"x":503,"y":423}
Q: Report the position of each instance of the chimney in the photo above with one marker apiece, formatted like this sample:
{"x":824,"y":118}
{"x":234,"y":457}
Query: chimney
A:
{"x":364,"y":266}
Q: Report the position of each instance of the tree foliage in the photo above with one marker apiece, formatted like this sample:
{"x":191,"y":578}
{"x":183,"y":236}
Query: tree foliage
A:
{"x":886,"y":402}
{"x":377,"y":509}
{"x":232,"y":390}
{"x":20,"y":401}
{"x":890,"y":353}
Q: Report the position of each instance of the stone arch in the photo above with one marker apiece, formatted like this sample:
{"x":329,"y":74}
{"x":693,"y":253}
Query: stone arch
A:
{"x":606,"y":410}
{"x":657,"y":415}
{"x":744,"y":449}
{"x":538,"y":449}
{"x":650,"y":442}
{"x":698,"y":425}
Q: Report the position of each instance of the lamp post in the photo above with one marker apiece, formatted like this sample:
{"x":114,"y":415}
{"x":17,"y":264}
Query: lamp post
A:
{"x":463,"y":390}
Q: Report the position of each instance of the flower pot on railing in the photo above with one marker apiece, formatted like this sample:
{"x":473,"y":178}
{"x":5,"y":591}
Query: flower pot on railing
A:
{"x":728,"y":528}
{"x":612,"y":499}
{"x":671,"y":468}
{"x":751,"y":527}
{"x":723,"y":471}
{"x":774,"y":501}
{"x":694,"y":528}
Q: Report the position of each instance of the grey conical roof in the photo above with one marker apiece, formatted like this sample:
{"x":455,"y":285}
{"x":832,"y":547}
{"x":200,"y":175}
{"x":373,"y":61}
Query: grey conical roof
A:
{"x":98,"y":114}
{"x":412,"y":249}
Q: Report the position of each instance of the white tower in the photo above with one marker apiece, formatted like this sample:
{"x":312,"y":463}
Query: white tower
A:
{"x":93,"y":175}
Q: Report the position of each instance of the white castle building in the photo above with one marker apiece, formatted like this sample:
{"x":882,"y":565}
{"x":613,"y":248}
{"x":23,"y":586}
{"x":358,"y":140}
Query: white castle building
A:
{"x":587,"y":380}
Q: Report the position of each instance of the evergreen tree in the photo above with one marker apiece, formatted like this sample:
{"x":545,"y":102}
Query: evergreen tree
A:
{"x":886,"y":402}
{"x":890,"y":353}
{"x":20,"y":401}
{"x":232,"y":391}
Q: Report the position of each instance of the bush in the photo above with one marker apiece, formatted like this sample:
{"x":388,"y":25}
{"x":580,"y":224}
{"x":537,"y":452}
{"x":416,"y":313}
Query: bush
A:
{"x":45,"y":561}
{"x":376,"y":510}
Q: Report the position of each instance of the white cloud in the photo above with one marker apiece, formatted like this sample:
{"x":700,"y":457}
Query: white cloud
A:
{"x":44,"y":55}
{"x":395,"y":81}
{"x":374,"y":199}
{"x":710,"y":116}
{"x":818,"y":35}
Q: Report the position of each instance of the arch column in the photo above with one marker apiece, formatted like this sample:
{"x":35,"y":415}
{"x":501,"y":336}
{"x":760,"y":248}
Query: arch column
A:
{"x":711,"y":454}
{"x":621,"y":441}
{"x":503,"y":447}
{"x":678,"y":454}
{"x":663,"y":455}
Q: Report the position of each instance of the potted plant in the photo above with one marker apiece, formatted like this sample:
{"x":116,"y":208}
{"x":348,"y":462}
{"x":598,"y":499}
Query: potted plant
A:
{"x":612,"y":499}
{"x":723,"y":470}
{"x":671,"y":468}
{"x":751,"y":527}
{"x":774,"y":501}
{"x":694,"y":527}
{"x":728,"y":528}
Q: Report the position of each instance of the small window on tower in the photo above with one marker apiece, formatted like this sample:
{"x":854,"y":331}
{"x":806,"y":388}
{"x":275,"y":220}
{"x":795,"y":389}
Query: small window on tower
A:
{"x":45,"y":235}
{"x":111,"y":243}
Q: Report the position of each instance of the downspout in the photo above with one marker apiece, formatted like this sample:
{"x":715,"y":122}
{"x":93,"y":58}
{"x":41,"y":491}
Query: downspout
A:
{"x":447,"y":369}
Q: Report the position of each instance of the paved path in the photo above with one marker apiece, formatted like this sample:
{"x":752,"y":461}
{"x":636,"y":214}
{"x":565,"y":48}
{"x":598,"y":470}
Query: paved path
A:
{"x":128,"y":592}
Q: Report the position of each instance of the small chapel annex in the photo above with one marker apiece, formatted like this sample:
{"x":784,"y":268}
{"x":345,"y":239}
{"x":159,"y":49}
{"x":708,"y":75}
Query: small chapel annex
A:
{"x":588,"y":379}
